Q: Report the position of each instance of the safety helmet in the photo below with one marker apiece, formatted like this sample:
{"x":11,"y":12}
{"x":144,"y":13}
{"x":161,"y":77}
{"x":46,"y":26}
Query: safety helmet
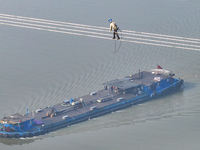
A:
{"x":110,"y":20}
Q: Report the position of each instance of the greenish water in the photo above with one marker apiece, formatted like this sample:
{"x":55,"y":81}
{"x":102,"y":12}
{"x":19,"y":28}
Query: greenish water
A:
{"x":41,"y":68}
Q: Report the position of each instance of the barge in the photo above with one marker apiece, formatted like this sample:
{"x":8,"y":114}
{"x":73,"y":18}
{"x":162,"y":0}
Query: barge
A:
{"x":116,"y":94}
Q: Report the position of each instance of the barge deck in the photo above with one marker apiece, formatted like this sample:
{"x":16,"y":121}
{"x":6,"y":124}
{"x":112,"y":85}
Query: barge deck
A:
{"x":115,"y":95}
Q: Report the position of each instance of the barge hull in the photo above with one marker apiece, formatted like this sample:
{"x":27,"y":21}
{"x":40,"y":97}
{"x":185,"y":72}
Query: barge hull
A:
{"x":116,"y":95}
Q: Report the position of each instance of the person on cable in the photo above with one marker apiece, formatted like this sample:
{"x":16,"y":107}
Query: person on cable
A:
{"x":113,"y":26}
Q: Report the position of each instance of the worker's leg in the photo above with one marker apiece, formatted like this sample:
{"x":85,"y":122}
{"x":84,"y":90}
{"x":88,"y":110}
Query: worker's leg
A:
{"x":114,"y":35}
{"x":117,"y":36}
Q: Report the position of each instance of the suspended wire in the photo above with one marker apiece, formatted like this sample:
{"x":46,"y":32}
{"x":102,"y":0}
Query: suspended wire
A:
{"x":101,"y":37}
{"x":92,"y":31}
{"x":128,"y":32}
{"x":23,"y":24}
{"x":116,"y":50}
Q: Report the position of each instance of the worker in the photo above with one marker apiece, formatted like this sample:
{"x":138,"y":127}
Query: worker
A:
{"x":115,"y":28}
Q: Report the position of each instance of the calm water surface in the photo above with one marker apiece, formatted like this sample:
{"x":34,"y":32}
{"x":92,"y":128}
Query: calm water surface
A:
{"x":41,"y":68}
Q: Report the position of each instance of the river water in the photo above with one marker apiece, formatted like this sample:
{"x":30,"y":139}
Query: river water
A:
{"x":41,"y":68}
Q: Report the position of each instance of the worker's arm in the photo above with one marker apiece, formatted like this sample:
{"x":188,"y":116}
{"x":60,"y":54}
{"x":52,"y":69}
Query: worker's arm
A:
{"x":110,"y":27}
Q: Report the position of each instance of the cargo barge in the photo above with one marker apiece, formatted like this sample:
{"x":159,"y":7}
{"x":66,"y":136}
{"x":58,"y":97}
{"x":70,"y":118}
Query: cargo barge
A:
{"x":116,"y":94}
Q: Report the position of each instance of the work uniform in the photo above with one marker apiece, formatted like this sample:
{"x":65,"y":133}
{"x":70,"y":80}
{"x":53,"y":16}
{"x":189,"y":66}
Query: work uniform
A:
{"x":115,"y":28}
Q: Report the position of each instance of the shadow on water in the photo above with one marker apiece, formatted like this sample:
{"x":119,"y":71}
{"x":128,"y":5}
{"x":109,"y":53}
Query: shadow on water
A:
{"x":20,"y":141}
{"x":13,"y":141}
{"x":189,"y":86}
